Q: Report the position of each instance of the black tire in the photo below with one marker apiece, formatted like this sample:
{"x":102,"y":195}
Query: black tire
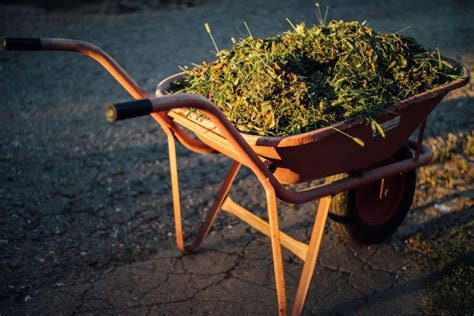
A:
{"x":363,"y":216}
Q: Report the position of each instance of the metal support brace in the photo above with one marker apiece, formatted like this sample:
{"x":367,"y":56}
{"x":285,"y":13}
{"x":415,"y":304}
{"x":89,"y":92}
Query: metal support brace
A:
{"x":215,"y":208}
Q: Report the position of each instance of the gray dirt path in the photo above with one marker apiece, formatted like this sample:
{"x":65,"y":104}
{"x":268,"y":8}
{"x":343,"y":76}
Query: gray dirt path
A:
{"x":85,"y":207}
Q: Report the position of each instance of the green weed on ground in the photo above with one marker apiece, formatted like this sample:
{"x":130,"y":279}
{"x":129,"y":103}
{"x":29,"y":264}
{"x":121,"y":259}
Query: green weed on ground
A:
{"x":450,"y":252}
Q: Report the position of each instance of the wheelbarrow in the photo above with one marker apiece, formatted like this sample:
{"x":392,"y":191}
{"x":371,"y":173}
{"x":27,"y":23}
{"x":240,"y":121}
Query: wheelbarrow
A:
{"x":370,"y":187}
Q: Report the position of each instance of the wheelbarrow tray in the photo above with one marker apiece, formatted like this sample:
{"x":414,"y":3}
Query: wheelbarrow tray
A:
{"x":325,"y":151}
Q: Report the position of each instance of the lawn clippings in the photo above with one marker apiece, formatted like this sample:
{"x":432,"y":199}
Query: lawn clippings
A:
{"x":308,"y":78}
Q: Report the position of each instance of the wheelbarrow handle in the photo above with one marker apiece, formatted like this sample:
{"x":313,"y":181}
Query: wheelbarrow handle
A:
{"x":127,"y":82}
{"x":166,"y":103}
{"x":22,"y":43}
{"x":127,"y":110}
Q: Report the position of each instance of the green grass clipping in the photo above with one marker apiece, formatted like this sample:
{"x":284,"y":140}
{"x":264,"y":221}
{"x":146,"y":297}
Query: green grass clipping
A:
{"x":312,"y":77}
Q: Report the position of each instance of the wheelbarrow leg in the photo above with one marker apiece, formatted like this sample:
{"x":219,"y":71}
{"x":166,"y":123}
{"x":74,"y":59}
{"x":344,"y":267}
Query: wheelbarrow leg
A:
{"x":215,"y":208}
{"x":276,"y":247}
{"x":175,"y":191}
{"x":312,"y":255}
{"x":211,"y":215}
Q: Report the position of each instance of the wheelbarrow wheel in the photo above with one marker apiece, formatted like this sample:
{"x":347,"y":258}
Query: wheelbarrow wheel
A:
{"x":371,"y":213}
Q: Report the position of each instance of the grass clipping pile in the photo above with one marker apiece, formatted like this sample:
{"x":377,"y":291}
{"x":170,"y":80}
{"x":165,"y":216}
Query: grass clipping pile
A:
{"x":309,"y":78}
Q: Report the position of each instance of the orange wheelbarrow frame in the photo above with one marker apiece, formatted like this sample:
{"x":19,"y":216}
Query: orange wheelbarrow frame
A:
{"x":274,"y":160}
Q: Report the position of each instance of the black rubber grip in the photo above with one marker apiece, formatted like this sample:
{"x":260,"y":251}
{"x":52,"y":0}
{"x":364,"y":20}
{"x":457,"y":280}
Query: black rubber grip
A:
{"x":122,"y":111}
{"x":21,"y":43}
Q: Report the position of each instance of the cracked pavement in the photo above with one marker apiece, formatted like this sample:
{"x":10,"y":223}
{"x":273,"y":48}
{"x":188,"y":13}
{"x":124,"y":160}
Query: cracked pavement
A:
{"x":86,"y":221}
